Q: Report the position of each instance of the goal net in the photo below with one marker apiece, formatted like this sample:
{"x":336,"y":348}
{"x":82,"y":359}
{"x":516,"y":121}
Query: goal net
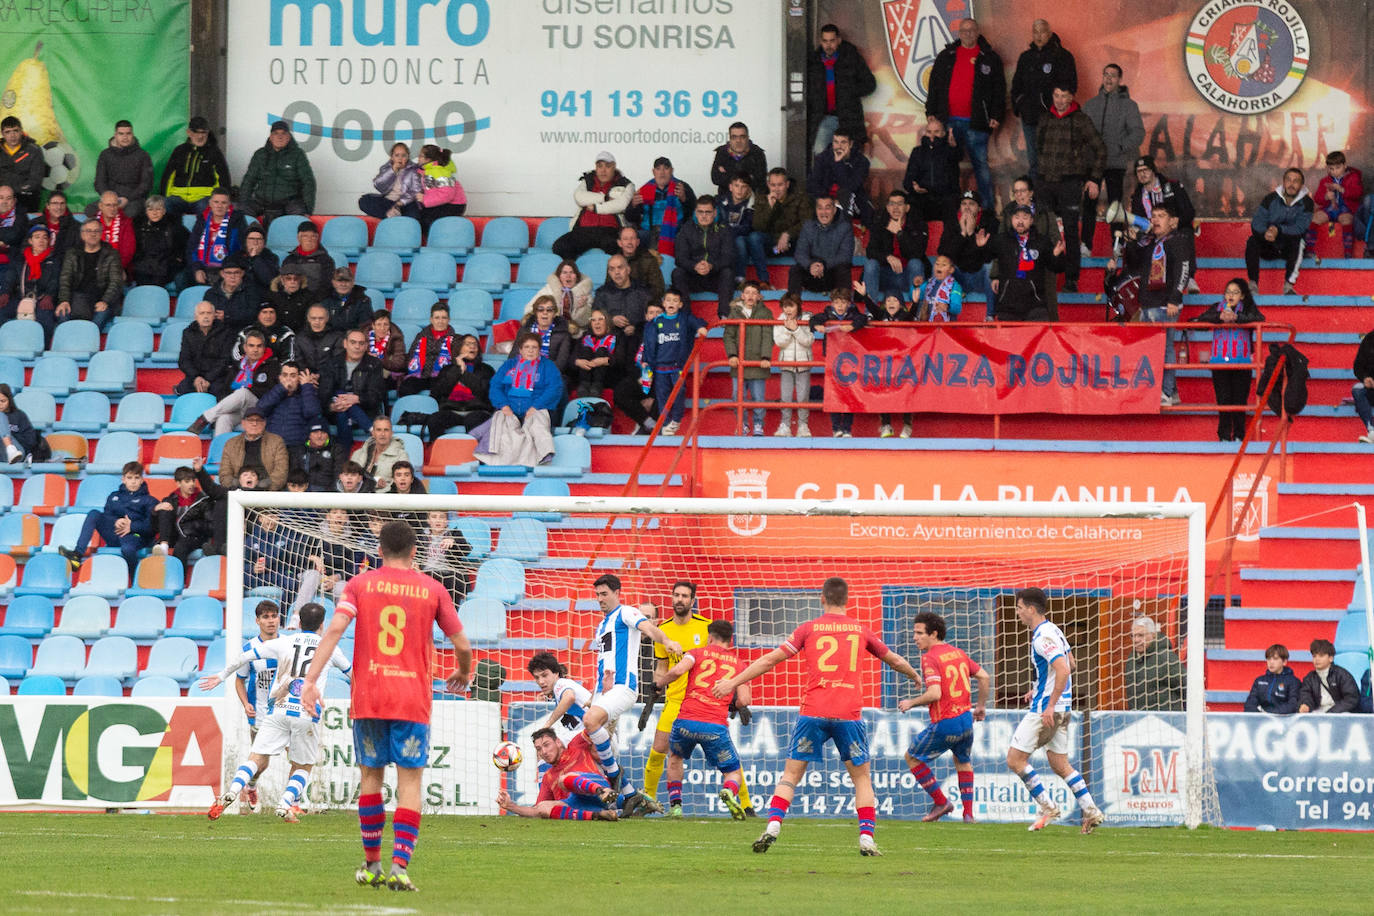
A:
{"x":1124,"y":581}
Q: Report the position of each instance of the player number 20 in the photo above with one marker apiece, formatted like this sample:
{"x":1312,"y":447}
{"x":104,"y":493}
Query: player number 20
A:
{"x":956,"y":676}
{"x":392,"y":636}
{"x":829,"y":645}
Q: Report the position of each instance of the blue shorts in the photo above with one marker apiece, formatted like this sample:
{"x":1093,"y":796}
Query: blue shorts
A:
{"x":587,"y":802}
{"x":714,"y":740}
{"x":377,"y":742}
{"x":810,"y":734}
{"x":955,"y":735}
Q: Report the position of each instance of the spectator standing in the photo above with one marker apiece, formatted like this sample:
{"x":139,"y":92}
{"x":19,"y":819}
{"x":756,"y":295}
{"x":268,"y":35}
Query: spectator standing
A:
{"x":1276,"y":690}
{"x":1164,"y":260}
{"x":1278,"y":228}
{"x":750,"y":343}
{"x":21,"y":163}
{"x":124,"y":168}
{"x":837,"y":79}
{"x":1071,"y":158}
{"x":279,"y":180}
{"x":201,"y":357}
{"x":780,"y":214}
{"x":1023,"y":268}
{"x":706,"y":256}
{"x":968,"y":91}
{"x":194,"y":170}
{"x":635,"y":386}
{"x":941,"y":297}
{"x":1363,"y":392}
{"x":846,"y":311}
{"x":1328,"y":687}
{"x":398,"y":185}
{"x":1040,"y":68}
{"x":219,"y":232}
{"x":739,"y":154}
{"x":159,"y":245}
{"x":1231,"y":344}
{"x":1154,"y":675}
{"x":1153,"y":188}
{"x":352,"y":387}
{"x":663,"y":204}
{"x":603,"y":196}
{"x":841,"y":173}
{"x":668,"y":342}
{"x":793,"y":338}
{"x":931,"y":181}
{"x":1338,"y":200}
{"x":91,"y":286}
{"x":824,"y":252}
{"x":1117,"y":119}
{"x":895,"y":256}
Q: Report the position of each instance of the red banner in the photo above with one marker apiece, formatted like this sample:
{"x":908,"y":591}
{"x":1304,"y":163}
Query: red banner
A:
{"x":1063,"y":369}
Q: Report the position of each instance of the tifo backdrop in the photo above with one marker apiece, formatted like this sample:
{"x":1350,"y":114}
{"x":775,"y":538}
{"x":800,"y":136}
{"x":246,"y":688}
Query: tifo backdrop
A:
{"x":525,"y":92}
{"x":1304,"y":91}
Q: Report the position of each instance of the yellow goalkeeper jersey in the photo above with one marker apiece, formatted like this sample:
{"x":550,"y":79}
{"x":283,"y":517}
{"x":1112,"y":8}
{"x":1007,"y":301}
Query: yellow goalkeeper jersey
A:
{"x":689,"y":635}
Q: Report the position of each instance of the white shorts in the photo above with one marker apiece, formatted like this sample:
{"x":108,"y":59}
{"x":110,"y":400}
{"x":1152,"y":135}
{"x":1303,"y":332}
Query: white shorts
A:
{"x":298,"y":736}
{"x":1031,"y":734}
{"x":616,"y":701}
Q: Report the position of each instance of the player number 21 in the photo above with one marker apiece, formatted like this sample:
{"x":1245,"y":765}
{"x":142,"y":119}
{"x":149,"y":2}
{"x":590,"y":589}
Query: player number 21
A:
{"x":829,"y":645}
{"x":392,"y":636}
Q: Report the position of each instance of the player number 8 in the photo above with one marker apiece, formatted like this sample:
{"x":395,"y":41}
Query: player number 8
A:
{"x":392,"y":637}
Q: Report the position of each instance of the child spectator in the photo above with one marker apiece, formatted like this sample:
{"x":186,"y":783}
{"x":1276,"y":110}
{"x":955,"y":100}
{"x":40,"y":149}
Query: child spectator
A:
{"x":735,"y":211}
{"x":842,"y":308}
{"x":1276,"y":690}
{"x":16,"y":432}
{"x":634,"y":389}
{"x":1338,"y":199}
{"x":941,"y":298}
{"x":1231,"y":344}
{"x":126,"y":520}
{"x":1328,"y":687}
{"x":443,"y":194}
{"x":442,"y":552}
{"x":668,"y":341}
{"x":182,"y":522}
{"x":891,"y":309}
{"x":793,"y":338}
{"x":751,"y":343}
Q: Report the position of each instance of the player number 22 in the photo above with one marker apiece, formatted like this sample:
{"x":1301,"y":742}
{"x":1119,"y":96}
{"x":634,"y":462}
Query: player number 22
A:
{"x":705,"y":678}
{"x":829,"y":645}
{"x":392,"y":636}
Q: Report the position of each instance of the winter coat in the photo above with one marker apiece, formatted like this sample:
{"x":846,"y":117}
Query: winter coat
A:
{"x":65,"y":236}
{"x":368,"y":381}
{"x":1348,"y":190}
{"x":193,"y":172}
{"x":1180,"y":261}
{"x":127,"y":170}
{"x":347,"y":314}
{"x":275,"y":463}
{"x":714,"y":243}
{"x":377,"y":463}
{"x":1170,"y":191}
{"x":106,"y":282}
{"x":233,"y":241}
{"x":668,"y":340}
{"x":794,"y":346}
{"x":1291,"y":218}
{"x":911,"y":240}
{"x":854,"y":316}
{"x":264,"y":376}
{"x":758,"y":338}
{"x":1339,"y":683}
{"x":989,"y":101}
{"x":15,"y":235}
{"x":1068,"y":146}
{"x":1154,"y":678}
{"x":580,"y":312}
{"x":240,"y":307}
{"x":432,"y":347}
{"x":787,"y":216}
{"x":1022,"y":298}
{"x":1117,"y":119}
{"x":934,"y":165}
{"x":476,"y":378}
{"x":276,"y":175}
{"x":1038,"y":72}
{"x":312,"y":350}
{"x":963,"y":249}
{"x":629,"y":303}
{"x":646,"y":269}
{"x":410,"y":177}
{"x":322,"y":464}
{"x":737,"y":216}
{"x":21,"y":430}
{"x":853,"y":81}
{"x":318,"y":267}
{"x":1227,"y":347}
{"x":135,"y":505}
{"x":290,"y":415}
{"x":1274,"y":693}
{"x":612,"y":206}
{"x":753,"y":163}
{"x":1364,"y":358}
{"x":560,"y":341}
{"x":21,"y":284}
{"x":23,"y":169}
{"x":202,"y":354}
{"x":394,"y":354}
{"x":616,"y":347}
{"x":291,"y":307}
{"x":843,"y":180}
{"x":832,"y":245}
{"x":159,"y":252}
{"x":263,"y":268}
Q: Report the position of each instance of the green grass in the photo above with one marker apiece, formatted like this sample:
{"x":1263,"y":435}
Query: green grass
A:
{"x":184,"y":864}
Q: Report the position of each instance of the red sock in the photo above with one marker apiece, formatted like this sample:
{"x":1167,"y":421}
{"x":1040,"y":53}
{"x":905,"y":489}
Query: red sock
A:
{"x":566,"y":813}
{"x":731,"y":786}
{"x":371,"y":821}
{"x":777,"y":808}
{"x":405,"y":829}
{"x":867,"y":816}
{"x":927,"y":780}
{"x":966,"y":791}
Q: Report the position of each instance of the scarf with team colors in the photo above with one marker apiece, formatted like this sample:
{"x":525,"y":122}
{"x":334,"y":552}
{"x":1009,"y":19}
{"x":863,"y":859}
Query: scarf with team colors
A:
{"x":213,"y":245}
{"x":416,"y":368}
{"x":246,"y":369}
{"x":110,"y":231}
{"x":523,"y":374}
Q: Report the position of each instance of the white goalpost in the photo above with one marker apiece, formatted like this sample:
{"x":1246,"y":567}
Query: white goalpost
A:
{"x":521,"y":570}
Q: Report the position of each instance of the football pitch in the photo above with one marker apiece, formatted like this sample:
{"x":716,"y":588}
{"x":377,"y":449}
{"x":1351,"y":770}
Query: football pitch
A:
{"x":503,"y":865}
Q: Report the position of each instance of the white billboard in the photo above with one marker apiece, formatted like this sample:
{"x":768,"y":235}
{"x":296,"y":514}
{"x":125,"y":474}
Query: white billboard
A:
{"x":525,"y":92}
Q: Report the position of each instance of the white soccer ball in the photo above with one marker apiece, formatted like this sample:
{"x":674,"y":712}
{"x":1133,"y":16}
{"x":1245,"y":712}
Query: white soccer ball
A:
{"x":506,"y":756}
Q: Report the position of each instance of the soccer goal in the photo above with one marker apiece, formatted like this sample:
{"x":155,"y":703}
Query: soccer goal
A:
{"x":521,"y":570}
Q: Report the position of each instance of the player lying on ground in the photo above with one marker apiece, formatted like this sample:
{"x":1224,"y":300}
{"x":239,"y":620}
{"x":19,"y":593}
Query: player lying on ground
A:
{"x":290,"y":724}
{"x":570,"y":698}
{"x":946,"y":671}
{"x":830,"y":709}
{"x":1047,"y":723}
{"x":396,"y":607}
{"x":702,"y":720}
{"x":572,"y":788}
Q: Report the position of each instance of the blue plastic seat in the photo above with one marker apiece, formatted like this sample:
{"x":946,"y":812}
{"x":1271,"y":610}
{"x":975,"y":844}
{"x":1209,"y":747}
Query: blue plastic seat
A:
{"x":487,"y":270}
{"x":214,"y":656}
{"x":206,"y":579}
{"x":508,"y":235}
{"x":186,"y":409}
{"x":399,"y":235}
{"x":572,"y":457}
{"x":98,"y":685}
{"x":149,"y":304}
{"x":523,"y":539}
{"x":337,"y":686}
{"x":484,"y":619}
{"x":433,"y":270}
{"x":160,"y":577}
{"x":46,"y":574}
{"x":188,"y":299}
{"x":12,"y":371}
{"x":535,"y":268}
{"x":175,"y":657}
{"x":20,"y":532}
{"x":133,"y":337}
{"x":112,"y":452}
{"x":215,"y":453}
{"x":514,"y":301}
{"x":413,"y":303}
{"x":116,"y":656}
{"x":473,"y":307}
{"x":65,"y":531}
{"x":413,"y":403}
{"x":168,"y":343}
{"x":24,"y":339}
{"x":380,"y":271}
{"x":54,"y":374}
{"x":155,"y":685}
{"x":441,"y":486}
{"x":281,"y":233}
{"x":455,"y":235}
{"x":92,"y":493}
{"x":76,"y":338}
{"x":111,"y":371}
{"x":549,"y":231}
{"x":16,"y":655}
{"x":6,"y":495}
{"x":501,"y":578}
{"x":86,"y":412}
{"x":108,"y":576}
{"x":345,"y":234}
{"x":60,"y":656}
{"x":415,"y":449}
{"x":42,"y":685}
{"x":545,"y":487}
{"x":141,"y":618}
{"x":85,"y":617}
{"x":39,"y":406}
{"x":1352,"y":633}
{"x":199,"y":617}
{"x":593,"y":264}
{"x":1357,"y":663}
{"x":476,"y":532}
{"x":141,"y":412}
{"x":30,"y":617}
{"x":193,"y":692}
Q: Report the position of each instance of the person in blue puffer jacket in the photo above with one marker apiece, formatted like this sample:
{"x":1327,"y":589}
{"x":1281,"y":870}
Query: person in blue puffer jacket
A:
{"x":126,"y":520}
{"x":1276,"y":690}
{"x":668,"y":341}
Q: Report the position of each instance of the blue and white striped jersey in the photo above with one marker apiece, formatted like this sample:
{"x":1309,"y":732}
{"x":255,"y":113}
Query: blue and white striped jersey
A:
{"x":258,"y":680}
{"x":581,"y":699}
{"x":1047,"y":644}
{"x":617,"y":642}
{"x":292,"y":655}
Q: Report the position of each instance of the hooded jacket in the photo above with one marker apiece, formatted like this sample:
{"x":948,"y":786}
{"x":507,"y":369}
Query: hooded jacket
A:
{"x":1117,"y":119}
{"x":126,"y":170}
{"x":192,"y":172}
{"x":989,"y":101}
{"x":279,"y":174}
{"x":1038,"y":71}
{"x":1291,"y":218}
{"x":1274,"y":693}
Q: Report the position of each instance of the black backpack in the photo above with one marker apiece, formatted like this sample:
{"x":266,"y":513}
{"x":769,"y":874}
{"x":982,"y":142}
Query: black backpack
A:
{"x":1290,"y":392}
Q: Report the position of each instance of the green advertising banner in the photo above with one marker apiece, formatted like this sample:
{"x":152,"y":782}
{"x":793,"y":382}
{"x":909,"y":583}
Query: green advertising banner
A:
{"x":72,"y":69}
